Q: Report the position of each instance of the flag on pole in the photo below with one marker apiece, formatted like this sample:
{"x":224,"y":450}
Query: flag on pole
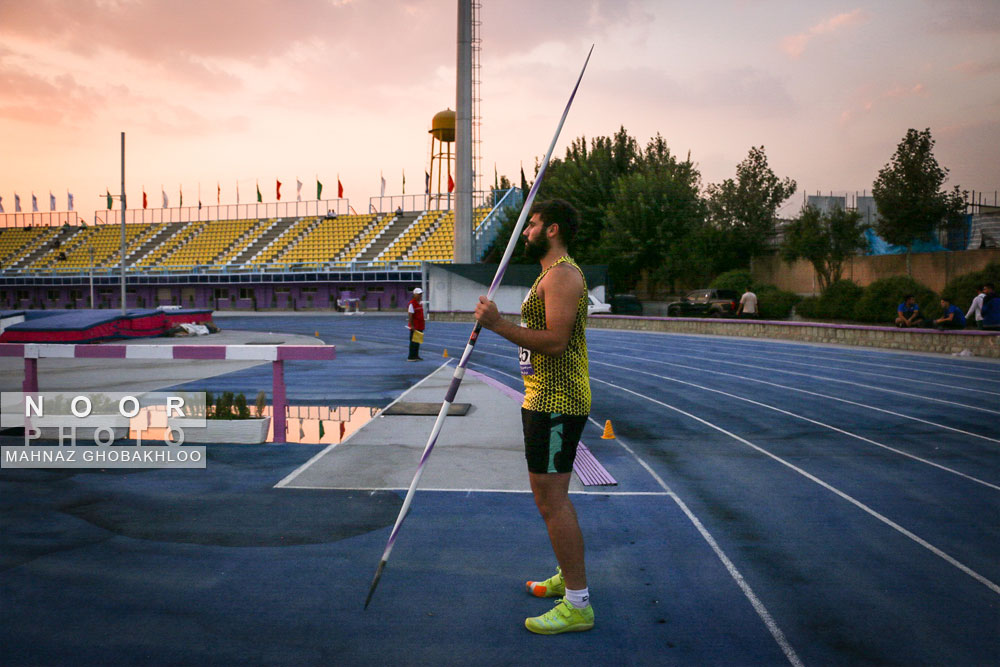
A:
{"x":298,"y":189}
{"x":237,"y":192}
{"x":319,"y":189}
{"x":17,"y":203}
{"x":340,"y":188}
{"x":259,"y":197}
{"x":427,"y":183}
{"x":278,"y":189}
{"x":451,"y":183}
{"x":180,"y":188}
{"x":69,"y":199}
{"x":524,"y":181}
{"x":34,"y":203}
{"x":218,"y":193}
{"x":52,"y":201}
{"x":496,"y":178}
{"x":382,"y":178}
{"x":404,"y":181}
{"x":144,"y":202}
{"x":109,"y":198}
{"x":166,"y":202}
{"x":1,"y":204}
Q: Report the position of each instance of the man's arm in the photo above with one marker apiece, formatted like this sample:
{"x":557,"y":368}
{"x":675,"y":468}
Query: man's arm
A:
{"x":560,"y":290}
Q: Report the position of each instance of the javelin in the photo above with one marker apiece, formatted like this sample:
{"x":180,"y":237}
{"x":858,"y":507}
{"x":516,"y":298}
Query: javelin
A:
{"x":456,"y":379}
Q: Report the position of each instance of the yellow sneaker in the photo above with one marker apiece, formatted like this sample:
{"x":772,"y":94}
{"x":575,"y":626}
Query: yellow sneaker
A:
{"x":553,"y":587}
{"x":563,"y":617}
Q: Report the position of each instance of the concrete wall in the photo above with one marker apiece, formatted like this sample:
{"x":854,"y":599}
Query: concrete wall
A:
{"x":978,"y":343}
{"x":933,"y":269}
{"x":447,"y":291}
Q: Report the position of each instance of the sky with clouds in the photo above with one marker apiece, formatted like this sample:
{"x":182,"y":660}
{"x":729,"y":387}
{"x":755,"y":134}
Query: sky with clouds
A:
{"x":219,"y":91}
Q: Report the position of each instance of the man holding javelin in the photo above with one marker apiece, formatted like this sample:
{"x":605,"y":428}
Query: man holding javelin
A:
{"x":552,"y":350}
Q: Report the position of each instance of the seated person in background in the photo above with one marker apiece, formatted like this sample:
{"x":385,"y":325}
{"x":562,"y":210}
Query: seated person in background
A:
{"x":991,"y":308}
{"x":953,"y":317}
{"x":908,"y":313}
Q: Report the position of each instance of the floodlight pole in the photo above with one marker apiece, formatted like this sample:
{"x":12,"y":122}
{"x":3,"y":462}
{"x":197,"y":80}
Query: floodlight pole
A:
{"x":124,"y":307}
{"x":91,"y":248}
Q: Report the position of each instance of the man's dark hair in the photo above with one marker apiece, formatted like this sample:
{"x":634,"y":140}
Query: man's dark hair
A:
{"x":946,"y":300}
{"x":989,"y":286}
{"x":559,"y":212}
{"x":907,"y":297}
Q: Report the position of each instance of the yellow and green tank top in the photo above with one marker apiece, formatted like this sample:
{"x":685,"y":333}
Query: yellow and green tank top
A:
{"x":556,"y":384}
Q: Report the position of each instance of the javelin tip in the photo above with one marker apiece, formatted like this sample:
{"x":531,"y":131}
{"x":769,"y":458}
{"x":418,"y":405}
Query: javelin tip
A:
{"x":371,"y":590}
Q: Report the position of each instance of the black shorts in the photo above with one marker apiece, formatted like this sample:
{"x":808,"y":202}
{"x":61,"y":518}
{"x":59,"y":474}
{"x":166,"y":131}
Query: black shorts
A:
{"x":550,"y":440}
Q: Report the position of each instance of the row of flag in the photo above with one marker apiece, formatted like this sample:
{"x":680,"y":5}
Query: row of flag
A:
{"x":34,"y":202}
{"x":218,"y":194}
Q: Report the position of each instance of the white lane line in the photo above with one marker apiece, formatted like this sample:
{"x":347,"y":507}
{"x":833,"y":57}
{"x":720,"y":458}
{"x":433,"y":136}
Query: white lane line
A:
{"x":806,"y":391}
{"x":819,"y":349}
{"x":847,"y":370}
{"x":830,"y":379}
{"x":403,"y":489}
{"x":758,"y":606}
{"x":298,"y":471}
{"x":804,"y":418}
{"x":857,"y":503}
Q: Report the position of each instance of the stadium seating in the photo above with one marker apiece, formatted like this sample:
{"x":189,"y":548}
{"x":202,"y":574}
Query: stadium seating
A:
{"x":16,"y":243}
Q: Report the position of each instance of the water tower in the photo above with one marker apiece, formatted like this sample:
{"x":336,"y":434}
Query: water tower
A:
{"x":442,"y":158}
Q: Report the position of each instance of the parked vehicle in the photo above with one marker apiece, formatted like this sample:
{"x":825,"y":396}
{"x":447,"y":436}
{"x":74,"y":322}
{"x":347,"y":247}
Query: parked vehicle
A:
{"x":625,"y":304}
{"x":705,"y":303}
{"x":597,"y":307}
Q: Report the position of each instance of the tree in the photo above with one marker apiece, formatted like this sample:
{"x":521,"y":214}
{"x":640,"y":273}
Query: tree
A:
{"x":825,"y":240}
{"x":651,"y":219}
{"x":909,"y":196}
{"x":746,"y":208}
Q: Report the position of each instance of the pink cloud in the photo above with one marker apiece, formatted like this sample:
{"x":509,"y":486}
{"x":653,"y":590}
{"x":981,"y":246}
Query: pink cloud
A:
{"x":972,"y":68}
{"x":795,"y":45}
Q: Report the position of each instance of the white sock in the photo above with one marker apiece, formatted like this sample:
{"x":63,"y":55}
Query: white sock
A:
{"x":579,"y":599}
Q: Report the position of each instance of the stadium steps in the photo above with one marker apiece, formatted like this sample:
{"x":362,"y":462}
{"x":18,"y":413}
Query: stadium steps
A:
{"x":172,"y":244}
{"x":364,"y":237}
{"x":418,"y":243}
{"x":410,"y":236}
{"x":297,"y":237}
{"x":18,"y":242}
{"x":260,"y":253}
{"x":144,"y":248}
{"x":286,"y":239}
{"x":397,"y":225}
{"x":43,"y":254}
{"x":149,"y":238}
{"x":243,"y":244}
{"x":273,"y":231}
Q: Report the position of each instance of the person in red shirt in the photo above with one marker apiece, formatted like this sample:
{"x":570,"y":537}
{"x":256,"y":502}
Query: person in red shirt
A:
{"x":415,"y":323}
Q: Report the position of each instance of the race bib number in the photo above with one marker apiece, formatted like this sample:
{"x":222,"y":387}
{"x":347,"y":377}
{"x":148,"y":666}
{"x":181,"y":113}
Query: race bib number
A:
{"x":524,"y":359}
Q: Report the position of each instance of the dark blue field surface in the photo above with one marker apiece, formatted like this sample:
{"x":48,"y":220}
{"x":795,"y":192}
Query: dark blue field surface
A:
{"x":777,"y":503}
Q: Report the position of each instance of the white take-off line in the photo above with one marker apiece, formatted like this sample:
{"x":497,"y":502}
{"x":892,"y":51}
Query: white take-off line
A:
{"x":849,"y":370}
{"x":646,"y":360}
{"x":628,"y":369}
{"x":854,"y":501}
{"x":758,"y":606}
{"x":298,"y":471}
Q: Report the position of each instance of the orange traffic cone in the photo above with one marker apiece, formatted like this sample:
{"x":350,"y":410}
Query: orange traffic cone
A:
{"x":445,"y":355}
{"x":353,"y":339}
{"x":317,"y":334}
{"x":609,"y":433}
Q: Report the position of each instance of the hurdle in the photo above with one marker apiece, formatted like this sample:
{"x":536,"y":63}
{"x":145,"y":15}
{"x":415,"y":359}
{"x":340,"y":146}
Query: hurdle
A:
{"x":276,"y":354}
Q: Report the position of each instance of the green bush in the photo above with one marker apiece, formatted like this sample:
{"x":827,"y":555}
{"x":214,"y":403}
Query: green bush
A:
{"x":962,"y":290}
{"x":737,"y":280}
{"x":839,"y":300}
{"x":773,"y":303}
{"x":879,"y":301}
{"x":242,"y":411}
{"x":809,"y":307}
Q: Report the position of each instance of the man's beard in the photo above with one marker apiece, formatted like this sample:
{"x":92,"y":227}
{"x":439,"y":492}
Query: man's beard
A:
{"x":535,"y":250}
